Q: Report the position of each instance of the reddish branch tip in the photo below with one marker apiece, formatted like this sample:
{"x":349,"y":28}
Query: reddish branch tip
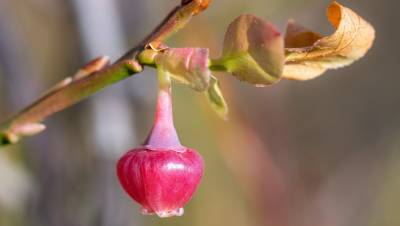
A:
{"x":199,"y":5}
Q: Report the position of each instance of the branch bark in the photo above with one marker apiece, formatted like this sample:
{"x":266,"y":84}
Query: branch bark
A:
{"x":94,"y":77}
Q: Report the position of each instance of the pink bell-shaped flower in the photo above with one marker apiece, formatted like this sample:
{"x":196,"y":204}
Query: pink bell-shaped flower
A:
{"x":161,"y":175}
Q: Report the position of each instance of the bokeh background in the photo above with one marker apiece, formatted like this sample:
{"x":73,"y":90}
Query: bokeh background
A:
{"x":318,"y":153}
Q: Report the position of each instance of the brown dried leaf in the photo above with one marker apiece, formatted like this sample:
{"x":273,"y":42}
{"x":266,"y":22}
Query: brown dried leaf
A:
{"x":309,"y":55}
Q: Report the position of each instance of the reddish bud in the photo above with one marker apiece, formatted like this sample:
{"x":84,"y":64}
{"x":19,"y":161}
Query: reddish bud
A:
{"x":162,"y":175}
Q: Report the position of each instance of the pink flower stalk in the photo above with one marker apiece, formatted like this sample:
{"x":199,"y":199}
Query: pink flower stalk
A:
{"x":162,"y":175}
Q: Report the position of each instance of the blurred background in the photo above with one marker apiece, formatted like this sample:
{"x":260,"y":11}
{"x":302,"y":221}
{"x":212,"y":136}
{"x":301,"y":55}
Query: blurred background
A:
{"x":318,"y":153}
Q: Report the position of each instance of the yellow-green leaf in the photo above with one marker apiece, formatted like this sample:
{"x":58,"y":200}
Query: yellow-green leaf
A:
{"x":216,"y":99}
{"x":309,"y":54}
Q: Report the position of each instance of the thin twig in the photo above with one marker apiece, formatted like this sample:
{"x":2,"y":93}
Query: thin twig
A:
{"x":94,"y":76}
{"x":174,"y":21}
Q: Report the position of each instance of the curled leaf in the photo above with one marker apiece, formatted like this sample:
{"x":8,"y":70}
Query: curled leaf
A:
{"x":309,"y":55}
{"x":188,"y":66}
{"x":253,"y":51}
{"x":216,"y":99}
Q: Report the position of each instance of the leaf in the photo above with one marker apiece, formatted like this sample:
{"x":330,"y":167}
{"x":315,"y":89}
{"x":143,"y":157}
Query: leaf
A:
{"x":308,"y":54}
{"x":253,"y":51}
{"x":188,"y":66}
{"x":216,"y":99}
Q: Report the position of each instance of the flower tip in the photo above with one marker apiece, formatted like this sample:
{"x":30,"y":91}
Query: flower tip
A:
{"x":164,"y":213}
{"x":174,"y":213}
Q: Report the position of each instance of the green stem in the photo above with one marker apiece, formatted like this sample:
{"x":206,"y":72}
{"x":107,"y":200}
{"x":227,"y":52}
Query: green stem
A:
{"x":163,"y":135}
{"x":164,"y":81}
{"x":217,"y":65}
